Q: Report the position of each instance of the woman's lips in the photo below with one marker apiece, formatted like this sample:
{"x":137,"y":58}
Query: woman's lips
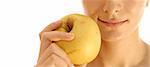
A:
{"x":112,"y":22}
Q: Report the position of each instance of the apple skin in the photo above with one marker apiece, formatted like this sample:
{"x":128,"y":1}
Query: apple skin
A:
{"x":87,"y":41}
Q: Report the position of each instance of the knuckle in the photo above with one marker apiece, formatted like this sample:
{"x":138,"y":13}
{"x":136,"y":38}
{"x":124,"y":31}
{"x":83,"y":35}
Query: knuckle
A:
{"x":40,"y":34}
{"x":43,"y":36}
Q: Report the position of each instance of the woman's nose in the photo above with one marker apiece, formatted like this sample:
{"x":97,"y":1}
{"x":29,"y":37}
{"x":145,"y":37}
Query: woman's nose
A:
{"x":112,"y":7}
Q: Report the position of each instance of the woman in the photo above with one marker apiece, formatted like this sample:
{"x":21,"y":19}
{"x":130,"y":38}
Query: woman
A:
{"x":121,"y":45}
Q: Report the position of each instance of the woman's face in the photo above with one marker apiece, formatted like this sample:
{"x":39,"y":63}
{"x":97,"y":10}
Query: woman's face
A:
{"x":116,"y":18}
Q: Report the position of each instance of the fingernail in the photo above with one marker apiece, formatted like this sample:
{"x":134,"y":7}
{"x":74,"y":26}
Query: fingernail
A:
{"x":70,"y":35}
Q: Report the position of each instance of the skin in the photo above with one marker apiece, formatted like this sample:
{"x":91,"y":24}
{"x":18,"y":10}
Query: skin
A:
{"x":121,"y":44}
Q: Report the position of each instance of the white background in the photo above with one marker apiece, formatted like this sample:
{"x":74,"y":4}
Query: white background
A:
{"x":22,"y":20}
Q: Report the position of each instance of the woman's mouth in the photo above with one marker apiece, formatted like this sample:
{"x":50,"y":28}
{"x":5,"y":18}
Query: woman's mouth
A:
{"x":112,"y":22}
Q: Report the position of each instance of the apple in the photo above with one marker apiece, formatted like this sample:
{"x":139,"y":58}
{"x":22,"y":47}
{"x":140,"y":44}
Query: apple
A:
{"x":87,"y":41}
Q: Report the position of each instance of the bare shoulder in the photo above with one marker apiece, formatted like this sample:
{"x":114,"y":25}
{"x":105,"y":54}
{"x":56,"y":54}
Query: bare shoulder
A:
{"x":148,"y":49}
{"x":148,"y":54}
{"x":146,"y":60}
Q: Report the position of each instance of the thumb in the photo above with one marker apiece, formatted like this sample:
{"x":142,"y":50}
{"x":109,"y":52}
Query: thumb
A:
{"x":81,"y":65}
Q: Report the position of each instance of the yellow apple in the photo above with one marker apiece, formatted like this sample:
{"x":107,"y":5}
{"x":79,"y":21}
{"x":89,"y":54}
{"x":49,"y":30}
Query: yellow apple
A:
{"x":87,"y":41}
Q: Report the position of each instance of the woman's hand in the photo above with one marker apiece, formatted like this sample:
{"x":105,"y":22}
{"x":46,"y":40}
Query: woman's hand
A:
{"x":50,"y":54}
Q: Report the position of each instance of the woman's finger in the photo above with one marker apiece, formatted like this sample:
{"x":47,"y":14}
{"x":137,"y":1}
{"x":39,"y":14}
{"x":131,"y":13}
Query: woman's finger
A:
{"x":48,"y":37}
{"x":53,"y":49}
{"x":54,"y":60}
{"x":48,"y":28}
{"x":51,"y":27}
{"x":44,"y":45}
{"x":56,"y":36}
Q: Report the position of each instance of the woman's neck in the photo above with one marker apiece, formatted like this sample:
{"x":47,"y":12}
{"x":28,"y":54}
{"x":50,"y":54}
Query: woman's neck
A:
{"x":124,"y":52}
